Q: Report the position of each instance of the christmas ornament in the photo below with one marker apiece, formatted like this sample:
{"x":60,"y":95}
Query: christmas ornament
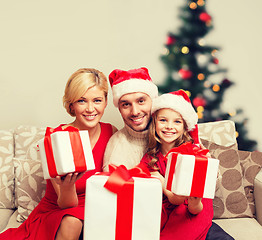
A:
{"x":204,"y":17}
{"x":185,"y":74}
{"x":226,"y":83}
{"x":199,"y":101}
{"x":215,"y":60}
{"x":170,"y":40}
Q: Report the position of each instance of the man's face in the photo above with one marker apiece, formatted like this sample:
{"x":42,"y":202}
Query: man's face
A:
{"x":135,"y":109}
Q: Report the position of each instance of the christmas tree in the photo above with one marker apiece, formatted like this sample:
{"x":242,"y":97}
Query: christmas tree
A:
{"x":193,"y":65}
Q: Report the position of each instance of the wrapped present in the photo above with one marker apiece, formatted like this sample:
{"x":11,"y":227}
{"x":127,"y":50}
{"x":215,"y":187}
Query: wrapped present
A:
{"x":190,"y":173}
{"x":65,"y":152}
{"x":123,"y":205}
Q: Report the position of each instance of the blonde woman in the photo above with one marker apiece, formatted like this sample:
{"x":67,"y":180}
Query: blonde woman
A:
{"x":60,"y":213}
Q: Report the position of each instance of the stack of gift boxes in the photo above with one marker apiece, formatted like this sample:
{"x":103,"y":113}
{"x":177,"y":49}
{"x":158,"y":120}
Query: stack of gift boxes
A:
{"x":124,"y":204}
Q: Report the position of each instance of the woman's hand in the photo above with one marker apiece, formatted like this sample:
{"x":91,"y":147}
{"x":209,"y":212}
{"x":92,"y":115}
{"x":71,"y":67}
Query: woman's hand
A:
{"x":66,"y":190}
{"x":68,"y":180}
{"x":195,"y":205}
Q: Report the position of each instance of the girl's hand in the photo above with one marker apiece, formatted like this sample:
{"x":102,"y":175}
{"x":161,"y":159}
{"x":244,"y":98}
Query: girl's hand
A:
{"x":160,"y":177}
{"x":195,"y":205}
{"x":202,"y":147}
{"x":173,"y":198}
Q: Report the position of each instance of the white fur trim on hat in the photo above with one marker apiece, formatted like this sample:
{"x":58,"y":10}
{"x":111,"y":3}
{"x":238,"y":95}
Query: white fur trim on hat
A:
{"x":132,"y":86}
{"x":178,"y":104}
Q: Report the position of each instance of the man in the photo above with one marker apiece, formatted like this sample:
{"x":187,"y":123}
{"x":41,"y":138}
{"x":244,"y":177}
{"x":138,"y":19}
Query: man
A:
{"x":133,"y":92}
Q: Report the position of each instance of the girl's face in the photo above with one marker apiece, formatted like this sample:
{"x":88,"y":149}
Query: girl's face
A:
{"x":89,"y":108}
{"x":169,"y":125}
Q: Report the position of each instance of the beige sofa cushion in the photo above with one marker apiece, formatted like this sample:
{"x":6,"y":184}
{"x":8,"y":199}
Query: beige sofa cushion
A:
{"x":30,"y":186}
{"x":230,"y":199}
{"x":12,"y":222}
{"x":251,"y":163}
{"x":5,"y":215}
{"x":241,"y":228}
{"x":221,"y":132}
{"x":26,"y":139}
{"x":6,"y":170}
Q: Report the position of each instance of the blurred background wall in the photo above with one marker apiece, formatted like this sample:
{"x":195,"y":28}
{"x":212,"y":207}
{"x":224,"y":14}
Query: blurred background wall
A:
{"x":44,"y":42}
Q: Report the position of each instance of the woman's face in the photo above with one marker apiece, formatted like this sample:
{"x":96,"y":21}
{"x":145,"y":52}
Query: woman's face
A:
{"x":89,"y":108}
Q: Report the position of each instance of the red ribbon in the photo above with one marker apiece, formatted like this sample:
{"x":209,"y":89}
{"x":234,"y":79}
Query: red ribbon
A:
{"x":121,"y":182}
{"x":77,"y":149}
{"x":200,"y":169}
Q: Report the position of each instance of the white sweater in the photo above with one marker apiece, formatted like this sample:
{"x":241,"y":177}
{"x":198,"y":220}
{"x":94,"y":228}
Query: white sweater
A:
{"x":125,"y":147}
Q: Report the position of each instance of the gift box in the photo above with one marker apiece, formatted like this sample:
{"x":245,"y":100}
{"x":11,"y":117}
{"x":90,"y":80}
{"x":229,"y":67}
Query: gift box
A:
{"x":191,"y":174}
{"x":65,"y":152}
{"x":124,"y":210}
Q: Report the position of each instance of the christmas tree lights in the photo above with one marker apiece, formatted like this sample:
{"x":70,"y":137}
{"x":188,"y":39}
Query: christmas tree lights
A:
{"x":191,"y":65}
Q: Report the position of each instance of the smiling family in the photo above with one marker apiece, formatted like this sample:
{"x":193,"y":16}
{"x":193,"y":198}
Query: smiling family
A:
{"x":144,"y":138}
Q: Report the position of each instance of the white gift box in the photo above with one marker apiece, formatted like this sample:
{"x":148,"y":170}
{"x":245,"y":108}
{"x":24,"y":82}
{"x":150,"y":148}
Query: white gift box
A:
{"x":189,"y":175}
{"x":101,"y":210}
{"x":63,"y":153}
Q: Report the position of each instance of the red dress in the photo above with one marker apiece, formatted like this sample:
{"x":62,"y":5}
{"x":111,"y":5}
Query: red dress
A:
{"x":176,"y":221}
{"x":43,"y":222}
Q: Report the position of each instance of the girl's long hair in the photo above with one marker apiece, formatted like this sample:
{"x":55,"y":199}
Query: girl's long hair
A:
{"x":154,"y":142}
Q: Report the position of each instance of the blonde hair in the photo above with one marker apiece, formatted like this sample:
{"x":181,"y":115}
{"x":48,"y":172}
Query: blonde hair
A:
{"x":154,"y":141}
{"x":79,"y":82}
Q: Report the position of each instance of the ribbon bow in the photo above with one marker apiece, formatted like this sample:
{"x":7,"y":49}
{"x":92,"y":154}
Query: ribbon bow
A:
{"x":119,"y":176}
{"x":188,"y":148}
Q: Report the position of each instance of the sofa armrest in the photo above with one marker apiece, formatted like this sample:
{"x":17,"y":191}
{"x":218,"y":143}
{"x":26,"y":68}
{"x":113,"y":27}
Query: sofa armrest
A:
{"x":258,"y":196}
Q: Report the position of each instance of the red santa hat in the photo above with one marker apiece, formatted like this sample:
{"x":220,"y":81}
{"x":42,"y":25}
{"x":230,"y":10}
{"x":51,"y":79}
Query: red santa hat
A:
{"x":179,"y":102}
{"x":131,"y":81}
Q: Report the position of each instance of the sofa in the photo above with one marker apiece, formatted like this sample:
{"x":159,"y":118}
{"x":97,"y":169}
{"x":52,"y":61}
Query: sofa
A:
{"x":238,"y":198}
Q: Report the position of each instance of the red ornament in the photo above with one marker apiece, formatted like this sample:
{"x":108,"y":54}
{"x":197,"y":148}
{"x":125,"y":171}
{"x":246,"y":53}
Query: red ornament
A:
{"x":226,"y":83}
{"x":185,"y":74}
{"x":170,"y":40}
{"x":204,"y":17}
{"x":199,"y":101}
{"x":215,"y":60}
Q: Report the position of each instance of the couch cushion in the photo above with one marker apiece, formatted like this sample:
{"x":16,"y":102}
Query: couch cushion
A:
{"x":6,"y":169}
{"x":220,"y":132}
{"x":230,"y":199}
{"x":251,"y":163}
{"x":241,"y":228}
{"x":30,"y":186}
{"x":26,"y":139}
{"x":5,"y":215}
{"x":12,"y":222}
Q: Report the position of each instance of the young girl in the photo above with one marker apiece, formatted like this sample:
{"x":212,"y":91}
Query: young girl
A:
{"x":60,"y":213}
{"x":174,"y":122}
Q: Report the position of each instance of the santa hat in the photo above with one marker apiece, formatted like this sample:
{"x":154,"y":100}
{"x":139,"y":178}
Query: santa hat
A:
{"x":179,"y":102}
{"x":135,"y":80}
